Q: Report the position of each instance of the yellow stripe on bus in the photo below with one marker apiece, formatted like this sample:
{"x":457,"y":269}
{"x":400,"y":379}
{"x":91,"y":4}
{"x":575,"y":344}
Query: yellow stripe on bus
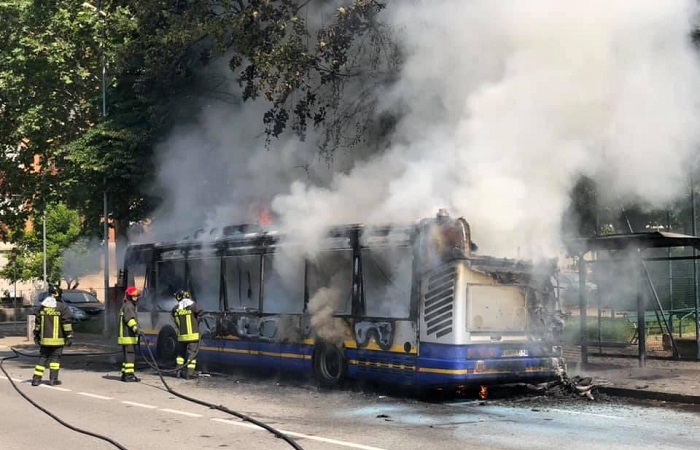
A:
{"x":381,"y":365}
{"x":374,"y":346}
{"x":445,"y":371}
{"x":257,"y":352}
{"x":479,"y":372}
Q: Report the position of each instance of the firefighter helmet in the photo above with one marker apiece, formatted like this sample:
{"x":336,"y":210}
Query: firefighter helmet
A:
{"x":179,"y":295}
{"x":55,"y":291}
{"x":133,"y":293}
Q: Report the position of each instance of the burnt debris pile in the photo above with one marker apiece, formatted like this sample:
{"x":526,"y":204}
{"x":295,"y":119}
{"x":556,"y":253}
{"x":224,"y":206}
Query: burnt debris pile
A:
{"x":565,"y":388}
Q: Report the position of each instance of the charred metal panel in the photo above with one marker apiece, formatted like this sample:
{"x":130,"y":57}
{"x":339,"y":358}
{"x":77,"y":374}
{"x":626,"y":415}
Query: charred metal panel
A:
{"x":380,"y":332}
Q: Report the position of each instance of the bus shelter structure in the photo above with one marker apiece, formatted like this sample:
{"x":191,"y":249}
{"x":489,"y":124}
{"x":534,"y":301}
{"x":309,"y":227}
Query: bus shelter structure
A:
{"x":635,"y":244}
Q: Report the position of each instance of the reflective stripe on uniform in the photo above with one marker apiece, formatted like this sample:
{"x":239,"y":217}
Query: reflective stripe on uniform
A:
{"x":186,"y":333}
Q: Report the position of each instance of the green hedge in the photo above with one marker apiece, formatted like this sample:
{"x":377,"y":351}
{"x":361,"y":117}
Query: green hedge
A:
{"x":612,"y":330}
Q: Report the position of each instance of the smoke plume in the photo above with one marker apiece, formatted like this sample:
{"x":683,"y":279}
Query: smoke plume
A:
{"x":502,"y":106}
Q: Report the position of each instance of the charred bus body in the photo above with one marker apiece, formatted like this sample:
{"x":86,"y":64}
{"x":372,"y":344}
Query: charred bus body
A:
{"x":402,"y":305}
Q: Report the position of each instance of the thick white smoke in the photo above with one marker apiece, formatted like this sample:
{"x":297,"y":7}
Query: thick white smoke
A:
{"x":507,"y":103}
{"x":504,"y":104}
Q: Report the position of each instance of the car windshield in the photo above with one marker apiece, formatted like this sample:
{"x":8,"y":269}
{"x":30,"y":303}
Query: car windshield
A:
{"x":79,"y":297}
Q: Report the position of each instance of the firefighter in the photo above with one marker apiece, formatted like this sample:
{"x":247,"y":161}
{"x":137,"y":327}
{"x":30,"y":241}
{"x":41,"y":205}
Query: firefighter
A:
{"x":186,"y":314}
{"x":129,"y":333}
{"x":53,"y":329}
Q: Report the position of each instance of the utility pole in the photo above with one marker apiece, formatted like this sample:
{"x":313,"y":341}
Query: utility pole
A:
{"x":13,"y":255}
{"x":43,"y":239}
{"x":695,"y":263}
{"x":104,"y":195}
{"x":105,"y":210}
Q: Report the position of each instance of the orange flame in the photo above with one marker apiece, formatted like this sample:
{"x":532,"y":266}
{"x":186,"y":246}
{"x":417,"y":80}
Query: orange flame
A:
{"x":264,"y":217}
{"x":483,"y":392}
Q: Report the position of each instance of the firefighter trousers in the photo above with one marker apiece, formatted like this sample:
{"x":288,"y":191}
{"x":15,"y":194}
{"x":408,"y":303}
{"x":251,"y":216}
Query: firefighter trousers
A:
{"x":50,"y":356}
{"x":129,"y":353}
{"x":187,"y":354}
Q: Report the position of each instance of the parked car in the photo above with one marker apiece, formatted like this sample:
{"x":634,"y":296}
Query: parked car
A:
{"x":84,"y":301}
{"x":82,"y":304}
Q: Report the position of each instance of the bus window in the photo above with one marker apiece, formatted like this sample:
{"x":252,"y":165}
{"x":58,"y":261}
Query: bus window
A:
{"x":137,"y":265}
{"x":386,"y":277}
{"x":204,"y":282}
{"x":137,"y":277}
{"x":171,"y":277}
{"x":333,"y":270}
{"x":243,"y":281}
{"x":284,"y":284}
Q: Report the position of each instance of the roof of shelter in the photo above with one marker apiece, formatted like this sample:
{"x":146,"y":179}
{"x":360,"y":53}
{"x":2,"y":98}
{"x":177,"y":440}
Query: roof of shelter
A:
{"x":655,"y":239}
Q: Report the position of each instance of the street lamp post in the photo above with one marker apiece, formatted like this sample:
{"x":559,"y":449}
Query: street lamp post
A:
{"x":13,"y":254}
{"x":43,"y":243}
{"x":105,"y":230}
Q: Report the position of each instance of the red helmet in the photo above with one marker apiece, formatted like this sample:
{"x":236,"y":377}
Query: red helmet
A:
{"x":133,"y":293}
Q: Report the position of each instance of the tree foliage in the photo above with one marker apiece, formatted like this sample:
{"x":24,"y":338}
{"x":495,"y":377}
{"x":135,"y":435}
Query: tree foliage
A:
{"x":63,"y":229}
{"x":318,"y":64}
{"x":49,"y":97}
{"x":314,"y":75}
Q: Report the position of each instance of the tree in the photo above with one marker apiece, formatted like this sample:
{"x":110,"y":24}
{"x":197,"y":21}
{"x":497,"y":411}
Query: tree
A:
{"x":326,"y":76}
{"x":63,"y":228}
{"x":61,"y":150}
{"x":46,"y":86}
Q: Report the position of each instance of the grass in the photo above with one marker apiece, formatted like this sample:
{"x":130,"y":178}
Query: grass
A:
{"x":611,"y":330}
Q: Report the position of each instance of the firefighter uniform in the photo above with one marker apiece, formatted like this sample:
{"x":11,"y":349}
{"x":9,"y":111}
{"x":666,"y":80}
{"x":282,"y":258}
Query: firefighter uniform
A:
{"x":186,"y":314}
{"x":128,"y":336}
{"x":53,"y":330}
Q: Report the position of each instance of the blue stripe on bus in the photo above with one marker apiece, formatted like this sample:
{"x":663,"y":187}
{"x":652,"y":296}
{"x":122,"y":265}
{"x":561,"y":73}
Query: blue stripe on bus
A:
{"x":437,"y":364}
{"x":477,"y":351}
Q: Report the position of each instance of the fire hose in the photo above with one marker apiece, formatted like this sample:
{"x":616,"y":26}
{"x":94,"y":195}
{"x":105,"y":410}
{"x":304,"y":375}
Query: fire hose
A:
{"x":161,"y":370}
{"x":242,"y":416}
{"x":151,"y":361}
{"x":49,"y":413}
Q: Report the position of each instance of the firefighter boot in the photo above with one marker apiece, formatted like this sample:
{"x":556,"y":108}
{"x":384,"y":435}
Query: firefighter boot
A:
{"x":123,"y":377}
{"x":36,"y":380}
{"x":191,"y":374}
{"x":131,"y":378}
{"x":53,"y":378}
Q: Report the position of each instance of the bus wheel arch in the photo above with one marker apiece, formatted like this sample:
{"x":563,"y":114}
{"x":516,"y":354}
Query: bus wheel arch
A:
{"x":167,"y":344}
{"x":330,"y":364}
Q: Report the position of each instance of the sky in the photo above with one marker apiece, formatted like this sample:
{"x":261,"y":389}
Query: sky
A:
{"x":503,"y":107}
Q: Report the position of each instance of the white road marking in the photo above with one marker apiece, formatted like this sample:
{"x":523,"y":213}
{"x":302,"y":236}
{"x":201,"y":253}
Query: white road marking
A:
{"x":587,"y":414}
{"x":18,"y":380}
{"x":55,"y":388}
{"x":101,"y":397}
{"x":304,"y":436}
{"x":140,"y":405}
{"x":239,"y":424}
{"x":184,"y":413}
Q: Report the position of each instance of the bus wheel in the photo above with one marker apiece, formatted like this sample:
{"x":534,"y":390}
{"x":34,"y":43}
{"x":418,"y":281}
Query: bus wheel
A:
{"x":330,"y":364}
{"x":167,"y":345}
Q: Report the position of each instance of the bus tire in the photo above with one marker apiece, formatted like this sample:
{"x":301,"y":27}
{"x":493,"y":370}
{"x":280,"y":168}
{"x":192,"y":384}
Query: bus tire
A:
{"x":330,"y":365}
{"x":167,"y":345}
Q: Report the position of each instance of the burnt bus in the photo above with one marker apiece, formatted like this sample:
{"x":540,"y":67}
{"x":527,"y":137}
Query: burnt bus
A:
{"x":411,"y":305}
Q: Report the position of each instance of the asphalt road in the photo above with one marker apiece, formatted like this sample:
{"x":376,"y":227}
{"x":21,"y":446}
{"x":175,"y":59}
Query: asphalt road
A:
{"x":145,"y":416}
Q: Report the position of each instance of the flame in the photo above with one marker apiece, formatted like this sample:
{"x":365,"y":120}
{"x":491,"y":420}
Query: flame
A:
{"x":483,"y":392}
{"x":264,"y":217}
{"x":262,"y":214}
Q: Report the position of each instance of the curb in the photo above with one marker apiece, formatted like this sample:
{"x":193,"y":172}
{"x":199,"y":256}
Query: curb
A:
{"x":649,"y":395}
